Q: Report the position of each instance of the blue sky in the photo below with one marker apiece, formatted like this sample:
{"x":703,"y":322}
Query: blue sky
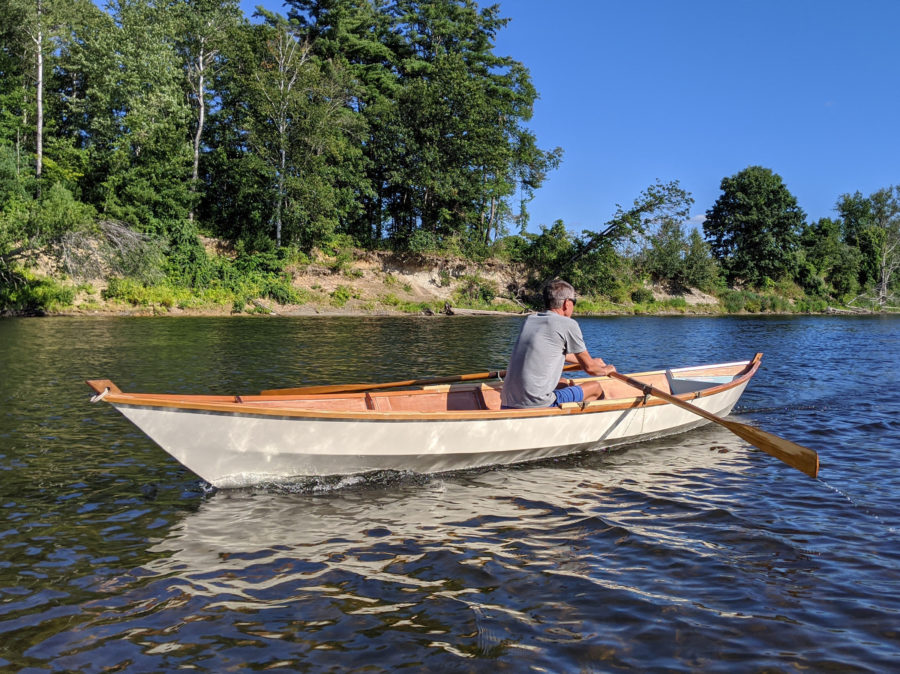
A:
{"x":697,"y":90}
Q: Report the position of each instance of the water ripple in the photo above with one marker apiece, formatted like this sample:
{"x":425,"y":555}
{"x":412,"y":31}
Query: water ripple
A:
{"x":693,"y":553}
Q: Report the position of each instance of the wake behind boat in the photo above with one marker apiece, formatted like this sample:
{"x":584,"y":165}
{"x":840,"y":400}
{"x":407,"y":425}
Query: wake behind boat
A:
{"x":242,"y":440}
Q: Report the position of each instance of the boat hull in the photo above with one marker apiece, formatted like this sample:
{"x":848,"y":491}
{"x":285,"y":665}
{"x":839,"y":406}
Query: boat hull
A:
{"x":238,"y":448}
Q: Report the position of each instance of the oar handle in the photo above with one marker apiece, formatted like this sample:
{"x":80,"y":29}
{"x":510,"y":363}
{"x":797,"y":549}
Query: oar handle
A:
{"x":668,"y":397}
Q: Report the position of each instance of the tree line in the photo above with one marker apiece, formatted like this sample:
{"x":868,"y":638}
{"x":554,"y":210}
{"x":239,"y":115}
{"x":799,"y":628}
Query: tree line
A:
{"x":382,"y":121}
{"x":126,"y":131}
{"x":759,"y":235}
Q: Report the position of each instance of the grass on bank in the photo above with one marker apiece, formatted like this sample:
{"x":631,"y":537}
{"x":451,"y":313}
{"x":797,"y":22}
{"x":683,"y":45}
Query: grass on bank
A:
{"x":166,"y":296}
{"x":32,"y":294}
{"x":238,"y":285}
{"x":25,"y":292}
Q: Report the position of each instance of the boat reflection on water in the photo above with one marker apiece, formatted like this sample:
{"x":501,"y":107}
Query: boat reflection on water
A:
{"x":594,"y":557}
{"x":373,"y":526}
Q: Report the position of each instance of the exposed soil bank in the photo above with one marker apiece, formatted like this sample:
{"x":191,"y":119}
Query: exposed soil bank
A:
{"x":376,"y":283}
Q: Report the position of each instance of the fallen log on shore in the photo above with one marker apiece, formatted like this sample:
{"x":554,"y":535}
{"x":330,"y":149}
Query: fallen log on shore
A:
{"x":850,"y":311}
{"x":455,"y":311}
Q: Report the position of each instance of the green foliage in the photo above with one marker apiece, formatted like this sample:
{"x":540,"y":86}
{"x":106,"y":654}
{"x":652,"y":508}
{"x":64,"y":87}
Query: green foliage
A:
{"x":588,"y":305}
{"x":391,"y":300}
{"x":678,"y":261}
{"x":133,"y":292}
{"x":187,"y":262}
{"x":677,"y":303}
{"x":872,"y":226}
{"x":219,"y":280}
{"x":753,"y":227}
{"x":555,"y":248}
{"x":444,"y":144}
{"x":59,"y":212}
{"x":281,"y":290}
{"x":665,"y":257}
{"x":699,"y":270}
{"x":258,"y":274}
{"x":511,"y":248}
{"x":808,"y":276}
{"x":22,"y":292}
{"x":548,"y":250}
{"x":341,"y":261}
{"x":424,"y":241}
{"x":642,"y":295}
{"x":595,"y":261}
{"x":337,"y":244}
{"x":827,"y":265}
{"x":856,"y":224}
{"x":475,"y":290}
{"x":734,"y":301}
{"x":407,"y":307}
{"x":737,"y":301}
{"x":133,"y":114}
{"x":12,"y":182}
{"x":342,"y":294}
{"x":810,"y":305}
{"x":259,"y":264}
{"x":228,"y":286}
{"x":346,"y":123}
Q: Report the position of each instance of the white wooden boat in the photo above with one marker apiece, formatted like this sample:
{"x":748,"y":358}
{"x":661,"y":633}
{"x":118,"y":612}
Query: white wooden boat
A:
{"x":242,"y":440}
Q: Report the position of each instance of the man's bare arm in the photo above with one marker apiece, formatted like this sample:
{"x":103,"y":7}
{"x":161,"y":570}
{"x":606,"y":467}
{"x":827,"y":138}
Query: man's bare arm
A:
{"x":593,"y":366}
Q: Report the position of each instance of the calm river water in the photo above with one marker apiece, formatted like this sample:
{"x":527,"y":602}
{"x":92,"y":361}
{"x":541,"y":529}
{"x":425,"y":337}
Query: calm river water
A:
{"x":695,"y":553}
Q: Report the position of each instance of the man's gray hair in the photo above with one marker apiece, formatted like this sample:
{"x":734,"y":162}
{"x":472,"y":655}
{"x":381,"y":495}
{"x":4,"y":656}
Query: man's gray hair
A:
{"x":556,"y":293}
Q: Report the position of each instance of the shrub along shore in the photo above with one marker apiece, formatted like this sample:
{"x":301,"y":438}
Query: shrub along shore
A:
{"x":357,"y":282}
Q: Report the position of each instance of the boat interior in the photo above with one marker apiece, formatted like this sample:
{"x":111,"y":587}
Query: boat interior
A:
{"x":486,"y":396}
{"x":463,"y":397}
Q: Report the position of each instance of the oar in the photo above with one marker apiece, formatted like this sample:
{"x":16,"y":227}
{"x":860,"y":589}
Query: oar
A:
{"x":354,"y":388}
{"x":797,"y":456}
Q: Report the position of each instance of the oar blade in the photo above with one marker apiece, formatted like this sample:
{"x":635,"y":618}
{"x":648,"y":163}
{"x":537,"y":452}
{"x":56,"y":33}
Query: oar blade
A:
{"x":797,"y":456}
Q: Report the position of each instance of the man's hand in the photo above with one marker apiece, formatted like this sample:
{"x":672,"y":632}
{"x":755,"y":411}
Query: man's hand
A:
{"x":605,"y":369}
{"x":593,"y":366}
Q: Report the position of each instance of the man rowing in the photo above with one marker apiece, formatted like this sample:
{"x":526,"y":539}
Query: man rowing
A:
{"x":546,"y":342}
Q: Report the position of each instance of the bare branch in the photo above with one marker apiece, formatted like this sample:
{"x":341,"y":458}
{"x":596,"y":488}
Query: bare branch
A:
{"x":112,"y":249}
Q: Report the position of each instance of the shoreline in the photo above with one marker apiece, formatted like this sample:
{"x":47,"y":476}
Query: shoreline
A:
{"x":306,"y":311}
{"x":389,"y":284}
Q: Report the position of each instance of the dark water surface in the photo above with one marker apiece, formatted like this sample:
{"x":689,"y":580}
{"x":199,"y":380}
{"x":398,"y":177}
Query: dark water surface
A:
{"x":695,"y":553}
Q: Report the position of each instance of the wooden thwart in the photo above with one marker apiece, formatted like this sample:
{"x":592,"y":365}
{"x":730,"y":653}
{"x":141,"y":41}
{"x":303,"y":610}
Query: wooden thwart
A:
{"x":797,"y":456}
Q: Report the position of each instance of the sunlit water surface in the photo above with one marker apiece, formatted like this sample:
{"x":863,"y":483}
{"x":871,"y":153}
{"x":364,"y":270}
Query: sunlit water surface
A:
{"x":694,"y":553}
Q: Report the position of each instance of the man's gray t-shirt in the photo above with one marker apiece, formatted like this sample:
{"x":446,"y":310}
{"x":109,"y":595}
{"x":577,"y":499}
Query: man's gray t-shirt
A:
{"x":537,"y":359}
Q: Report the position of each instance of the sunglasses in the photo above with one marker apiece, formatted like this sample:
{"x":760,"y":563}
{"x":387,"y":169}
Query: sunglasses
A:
{"x":572,"y":300}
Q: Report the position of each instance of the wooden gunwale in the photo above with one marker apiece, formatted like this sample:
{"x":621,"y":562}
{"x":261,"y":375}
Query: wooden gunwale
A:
{"x":242,"y":405}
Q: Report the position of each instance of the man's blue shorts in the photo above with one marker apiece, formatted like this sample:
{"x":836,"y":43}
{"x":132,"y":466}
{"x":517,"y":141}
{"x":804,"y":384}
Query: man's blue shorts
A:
{"x":569,"y":394}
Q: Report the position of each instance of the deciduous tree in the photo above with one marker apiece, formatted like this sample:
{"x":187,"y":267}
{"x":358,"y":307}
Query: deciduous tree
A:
{"x":753,"y":226}
{"x":136,"y":116}
{"x":204,"y":27}
{"x":828,"y":265}
{"x":32,"y":30}
{"x":872,"y":226}
{"x":886,"y":209}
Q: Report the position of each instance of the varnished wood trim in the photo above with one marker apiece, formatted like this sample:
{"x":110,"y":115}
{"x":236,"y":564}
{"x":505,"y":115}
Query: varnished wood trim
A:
{"x":100,"y":385}
{"x":226,"y":404}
